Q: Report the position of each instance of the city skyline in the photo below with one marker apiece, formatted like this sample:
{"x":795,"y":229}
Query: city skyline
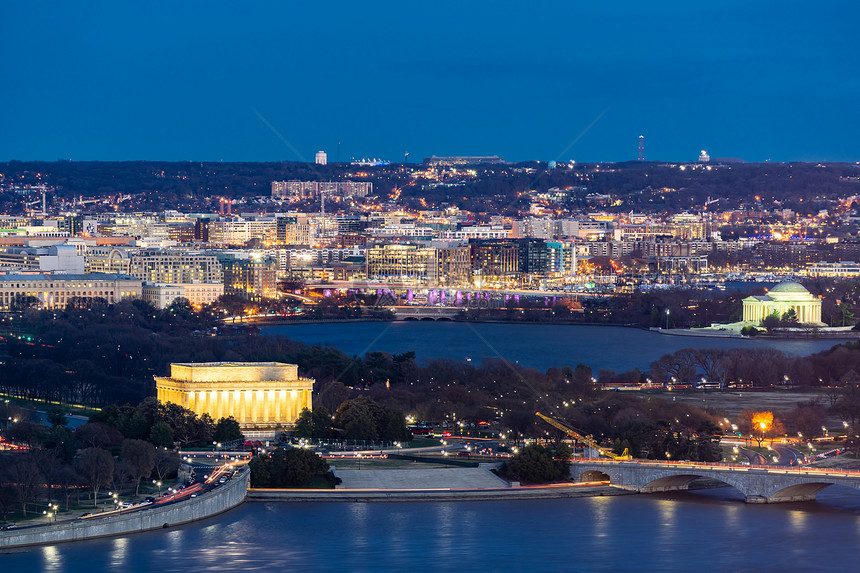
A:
{"x":195,"y":82}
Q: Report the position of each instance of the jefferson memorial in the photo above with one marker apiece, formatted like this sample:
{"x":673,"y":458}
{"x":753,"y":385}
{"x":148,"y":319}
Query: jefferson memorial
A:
{"x":259,"y":395}
{"x":779,"y":300}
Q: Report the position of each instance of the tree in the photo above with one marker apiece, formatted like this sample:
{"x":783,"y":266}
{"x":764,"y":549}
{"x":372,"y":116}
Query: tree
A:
{"x":25,"y":433}
{"x":166,"y":462}
{"x":534,"y":464}
{"x":70,"y":482}
{"x":562,"y":456}
{"x":96,"y":467}
{"x":161,"y":436}
{"x":7,"y":497}
{"x":848,"y":405}
{"x":141,"y":456}
{"x":26,"y":479}
{"x":98,"y":435}
{"x":844,"y":313}
{"x":123,"y":475}
{"x":57,"y":417}
{"x":292,"y":467}
{"x":227,"y":430}
{"x":321,"y":423}
{"x":759,"y":425}
{"x":304,"y":424}
{"x":395,"y":426}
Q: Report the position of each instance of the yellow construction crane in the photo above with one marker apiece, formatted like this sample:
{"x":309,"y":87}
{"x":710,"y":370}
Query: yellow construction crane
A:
{"x":587,"y":440}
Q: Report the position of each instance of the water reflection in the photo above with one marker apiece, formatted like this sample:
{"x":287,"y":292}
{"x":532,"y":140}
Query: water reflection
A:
{"x":671,"y":532}
{"x":50,"y":559}
{"x":119,"y":553}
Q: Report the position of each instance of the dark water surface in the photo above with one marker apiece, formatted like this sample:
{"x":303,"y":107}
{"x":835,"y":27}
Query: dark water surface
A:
{"x":702,"y":531}
{"x":536,"y":345}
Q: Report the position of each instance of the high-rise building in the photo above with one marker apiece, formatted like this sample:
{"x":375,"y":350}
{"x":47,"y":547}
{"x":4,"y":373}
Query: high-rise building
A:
{"x":254,"y":278}
{"x":298,"y":190}
{"x":293,"y":230}
{"x":175,"y":267}
{"x":321,"y":158}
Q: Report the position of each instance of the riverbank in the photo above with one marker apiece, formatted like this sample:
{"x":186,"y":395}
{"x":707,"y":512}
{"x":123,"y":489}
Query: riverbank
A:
{"x":441,"y":494}
{"x":212,"y":503}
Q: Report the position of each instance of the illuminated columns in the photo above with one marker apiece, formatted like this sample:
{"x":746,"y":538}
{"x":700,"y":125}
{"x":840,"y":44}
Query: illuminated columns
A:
{"x":293,"y":412}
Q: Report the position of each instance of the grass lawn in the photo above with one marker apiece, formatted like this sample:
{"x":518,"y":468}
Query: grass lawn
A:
{"x":372,"y":464}
{"x":75,"y":409}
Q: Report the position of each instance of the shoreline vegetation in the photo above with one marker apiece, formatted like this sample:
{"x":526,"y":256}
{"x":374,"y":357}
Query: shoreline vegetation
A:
{"x":841,"y":334}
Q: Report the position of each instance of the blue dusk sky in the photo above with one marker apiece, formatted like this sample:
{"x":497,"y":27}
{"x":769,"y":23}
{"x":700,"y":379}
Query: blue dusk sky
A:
{"x":266,"y":80}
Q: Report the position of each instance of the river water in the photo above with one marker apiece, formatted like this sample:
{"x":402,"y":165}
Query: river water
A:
{"x":709,"y":530}
{"x":535,"y":345}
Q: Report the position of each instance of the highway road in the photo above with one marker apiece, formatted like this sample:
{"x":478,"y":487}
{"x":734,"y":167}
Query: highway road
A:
{"x":788,"y":456}
{"x":755,"y":458}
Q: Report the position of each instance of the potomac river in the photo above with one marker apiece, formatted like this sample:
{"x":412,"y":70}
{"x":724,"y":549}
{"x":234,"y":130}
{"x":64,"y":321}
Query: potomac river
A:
{"x":708,"y":530}
{"x":539,"y":346}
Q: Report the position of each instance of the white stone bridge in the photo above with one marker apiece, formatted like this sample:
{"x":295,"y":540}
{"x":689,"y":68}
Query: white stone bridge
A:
{"x":758,"y":484}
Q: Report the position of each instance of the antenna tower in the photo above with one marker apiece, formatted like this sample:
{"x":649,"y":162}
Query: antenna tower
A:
{"x":641,"y":148}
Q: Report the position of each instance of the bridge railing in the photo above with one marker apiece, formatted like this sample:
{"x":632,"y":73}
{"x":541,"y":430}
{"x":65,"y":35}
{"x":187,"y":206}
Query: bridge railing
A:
{"x":718,"y":466}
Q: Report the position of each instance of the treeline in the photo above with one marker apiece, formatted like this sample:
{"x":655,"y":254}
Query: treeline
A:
{"x":496,"y":189}
{"x":758,"y":367}
{"x":290,"y":467}
{"x":118,"y":448}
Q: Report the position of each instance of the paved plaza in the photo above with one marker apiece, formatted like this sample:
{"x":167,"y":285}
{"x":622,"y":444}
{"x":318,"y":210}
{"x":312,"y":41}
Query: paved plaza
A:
{"x":432,"y":478}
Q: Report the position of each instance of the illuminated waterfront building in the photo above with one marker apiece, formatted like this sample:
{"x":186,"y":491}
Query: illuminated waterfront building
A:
{"x":259,"y":395}
{"x":784,"y":297}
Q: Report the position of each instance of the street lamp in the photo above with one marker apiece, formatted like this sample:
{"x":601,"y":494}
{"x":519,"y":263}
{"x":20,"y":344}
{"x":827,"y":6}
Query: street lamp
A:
{"x":667,"y":318}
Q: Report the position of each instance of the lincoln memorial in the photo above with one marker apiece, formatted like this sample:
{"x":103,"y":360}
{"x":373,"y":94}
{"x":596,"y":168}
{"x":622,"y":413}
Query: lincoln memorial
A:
{"x":259,"y":395}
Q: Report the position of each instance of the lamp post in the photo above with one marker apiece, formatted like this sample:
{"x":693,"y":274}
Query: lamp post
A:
{"x":667,"y":319}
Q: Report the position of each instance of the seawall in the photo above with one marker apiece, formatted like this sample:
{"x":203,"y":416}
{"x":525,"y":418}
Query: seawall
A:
{"x":213,"y":502}
{"x":363,"y":495}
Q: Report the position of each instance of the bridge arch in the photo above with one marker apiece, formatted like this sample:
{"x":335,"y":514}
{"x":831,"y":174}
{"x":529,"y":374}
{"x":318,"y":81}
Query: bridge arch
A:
{"x":669,"y":483}
{"x":594,"y":475}
{"x":797,"y":492}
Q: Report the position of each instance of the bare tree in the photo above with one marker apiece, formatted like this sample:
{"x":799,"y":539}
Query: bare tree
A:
{"x":141,"y":455}
{"x":124,"y":475}
{"x":70,"y":483}
{"x":712,"y":363}
{"x":27,"y":480}
{"x":96,"y":467}
{"x":166,"y":462}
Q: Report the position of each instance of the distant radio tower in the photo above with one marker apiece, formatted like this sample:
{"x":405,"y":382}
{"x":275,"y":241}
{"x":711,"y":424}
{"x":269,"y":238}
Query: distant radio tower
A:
{"x":641,"y":148}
